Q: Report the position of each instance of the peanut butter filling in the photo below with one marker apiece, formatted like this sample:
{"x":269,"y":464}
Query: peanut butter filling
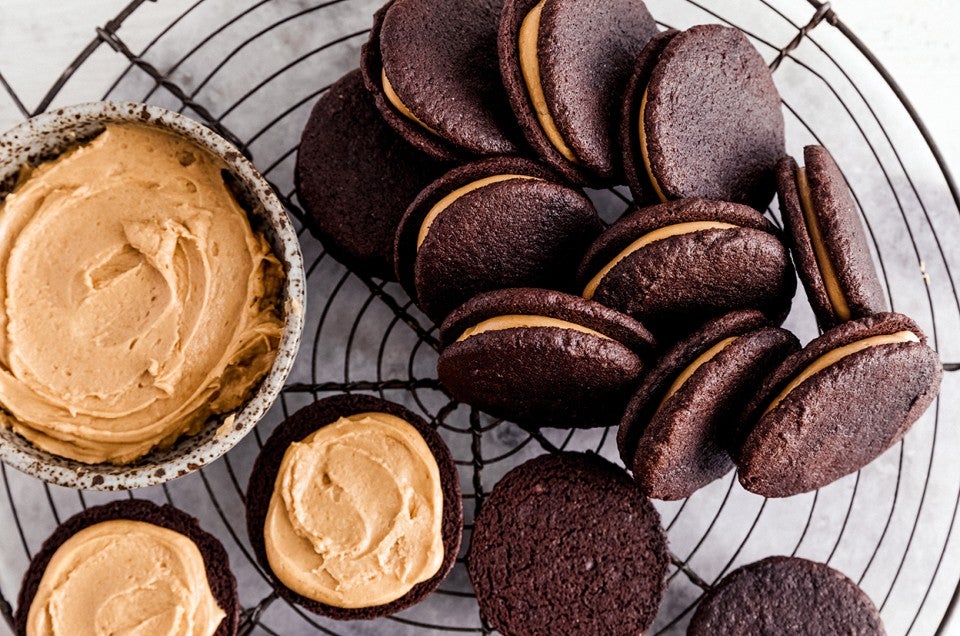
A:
{"x":692,"y":368}
{"x":449,"y":200}
{"x":518,"y":321}
{"x":125,"y":577}
{"x":137,"y":301}
{"x":356,"y":516}
{"x":659,"y":234}
{"x":397,"y":103}
{"x":530,"y":68}
{"x":827,"y":272}
{"x":838,"y":354}
{"x":645,"y":152}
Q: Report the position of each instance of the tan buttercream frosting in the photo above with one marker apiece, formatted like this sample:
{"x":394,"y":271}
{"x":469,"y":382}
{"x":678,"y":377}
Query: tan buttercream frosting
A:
{"x":838,"y":354}
{"x":530,"y":69}
{"x":397,"y":103}
{"x":460,"y":192}
{"x":827,"y":272}
{"x":692,"y":368}
{"x":519,"y":321}
{"x":645,"y":151}
{"x":125,"y":577}
{"x":659,"y":234}
{"x":137,"y":300}
{"x":356,"y":515}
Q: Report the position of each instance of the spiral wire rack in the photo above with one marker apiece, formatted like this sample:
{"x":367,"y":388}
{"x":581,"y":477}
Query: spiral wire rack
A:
{"x":253,"y":69}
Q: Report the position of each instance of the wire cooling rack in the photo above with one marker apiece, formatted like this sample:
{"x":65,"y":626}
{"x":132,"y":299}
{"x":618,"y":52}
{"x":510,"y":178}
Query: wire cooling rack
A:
{"x":252,"y":71}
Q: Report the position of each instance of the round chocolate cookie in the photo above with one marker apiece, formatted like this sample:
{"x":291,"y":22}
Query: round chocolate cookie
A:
{"x":216,"y":563}
{"x":828,"y":240}
{"x":307,"y":421}
{"x":542,"y":358}
{"x":565,"y":64}
{"x":567,"y":544}
{"x":832,"y":408}
{"x":786,"y":595}
{"x":678,"y":427}
{"x":492,"y":224}
{"x":355,"y":177}
{"x":675,"y":265}
{"x":431,"y":66}
{"x":712,"y":123}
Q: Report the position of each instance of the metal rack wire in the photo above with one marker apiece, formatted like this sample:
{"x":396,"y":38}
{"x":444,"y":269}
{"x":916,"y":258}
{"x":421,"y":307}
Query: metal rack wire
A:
{"x":252,"y":70}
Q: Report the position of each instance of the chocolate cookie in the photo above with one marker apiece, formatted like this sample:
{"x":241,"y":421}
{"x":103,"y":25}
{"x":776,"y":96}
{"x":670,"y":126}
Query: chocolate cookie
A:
{"x":432,"y":68}
{"x":828,"y":240}
{"x":835,"y":406}
{"x":567,"y":544}
{"x":712,"y":125}
{"x":305,"y":422}
{"x":355,"y":177}
{"x":565,"y":64}
{"x":542,"y":358}
{"x":786,"y":595}
{"x":488,"y":225}
{"x":215,"y":560}
{"x":675,"y":265}
{"x":678,"y":427}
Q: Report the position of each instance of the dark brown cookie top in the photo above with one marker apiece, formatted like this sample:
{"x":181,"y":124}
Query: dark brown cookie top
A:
{"x":567,"y":544}
{"x":786,"y":595}
{"x":713,"y":122}
{"x":843,"y":237}
{"x":631,"y":155}
{"x":441,"y":60}
{"x":355,"y":177}
{"x":552,"y":304}
{"x":517,"y":232}
{"x":303,"y":423}
{"x":216,"y":563}
{"x":586,"y":50}
{"x":822,"y":430}
{"x":677,"y":444}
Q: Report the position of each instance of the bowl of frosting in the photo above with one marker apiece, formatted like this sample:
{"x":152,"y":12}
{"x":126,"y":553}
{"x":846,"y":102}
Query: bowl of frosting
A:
{"x":152,"y":298}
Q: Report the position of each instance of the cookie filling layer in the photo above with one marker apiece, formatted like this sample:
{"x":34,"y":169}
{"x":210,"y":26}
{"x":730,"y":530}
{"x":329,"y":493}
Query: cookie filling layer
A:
{"x":645,"y":152}
{"x":137,"y":300}
{"x":518,"y":321}
{"x":838,"y":354}
{"x":659,"y":234}
{"x":530,"y":68}
{"x":827,"y":272}
{"x":460,"y":192}
{"x":356,"y":515}
{"x":397,"y":103}
{"x":694,"y":366}
{"x":125,"y":577}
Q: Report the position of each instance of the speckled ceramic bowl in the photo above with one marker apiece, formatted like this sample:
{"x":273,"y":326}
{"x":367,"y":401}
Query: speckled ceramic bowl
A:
{"x":45,"y":137}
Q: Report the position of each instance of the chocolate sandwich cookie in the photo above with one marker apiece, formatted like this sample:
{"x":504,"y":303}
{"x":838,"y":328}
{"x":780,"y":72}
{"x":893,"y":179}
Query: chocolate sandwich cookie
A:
{"x":786,"y":595}
{"x":678,"y":427}
{"x":127,"y":564}
{"x":355,"y":177}
{"x":497,"y":223}
{"x":567,"y":544}
{"x":565,"y":64}
{"x":354,"y":509}
{"x":835,"y":406}
{"x":702,"y":118}
{"x":431,"y":66}
{"x":542,"y":358}
{"x":675,"y":265}
{"x":828,"y":240}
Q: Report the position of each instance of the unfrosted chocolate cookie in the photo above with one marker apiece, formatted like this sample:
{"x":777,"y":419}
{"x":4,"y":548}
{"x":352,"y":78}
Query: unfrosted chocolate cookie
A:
{"x":542,"y":358}
{"x":786,"y":595}
{"x":355,"y":177}
{"x":828,"y":240}
{"x":835,"y":406}
{"x":567,"y":544}
{"x":677,"y":430}
{"x":497,"y":223}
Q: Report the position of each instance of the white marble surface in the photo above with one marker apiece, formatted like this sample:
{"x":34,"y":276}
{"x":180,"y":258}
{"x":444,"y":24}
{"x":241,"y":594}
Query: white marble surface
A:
{"x":893,"y":502}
